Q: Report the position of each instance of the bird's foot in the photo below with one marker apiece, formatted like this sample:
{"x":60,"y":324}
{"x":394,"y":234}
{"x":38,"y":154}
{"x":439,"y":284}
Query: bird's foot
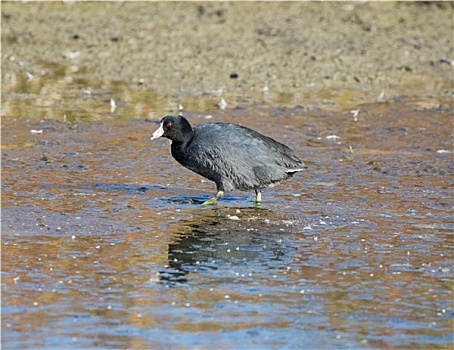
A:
{"x":213,"y":200}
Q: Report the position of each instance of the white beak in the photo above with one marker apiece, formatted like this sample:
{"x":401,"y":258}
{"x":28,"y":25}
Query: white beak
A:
{"x":158,"y":133}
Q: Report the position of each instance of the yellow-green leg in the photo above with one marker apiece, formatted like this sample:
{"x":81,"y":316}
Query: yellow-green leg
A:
{"x":213,"y":200}
{"x":258,"y":196}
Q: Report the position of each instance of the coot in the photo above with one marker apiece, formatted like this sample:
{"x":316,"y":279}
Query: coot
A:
{"x":233,"y":156}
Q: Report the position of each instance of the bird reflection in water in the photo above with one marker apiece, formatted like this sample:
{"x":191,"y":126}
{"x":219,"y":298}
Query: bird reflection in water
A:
{"x":219,"y":242}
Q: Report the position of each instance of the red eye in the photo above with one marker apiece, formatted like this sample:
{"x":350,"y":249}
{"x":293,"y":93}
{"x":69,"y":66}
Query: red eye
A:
{"x":169,"y":124}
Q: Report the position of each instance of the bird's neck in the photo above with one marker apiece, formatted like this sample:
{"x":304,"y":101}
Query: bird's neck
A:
{"x":180,"y":146}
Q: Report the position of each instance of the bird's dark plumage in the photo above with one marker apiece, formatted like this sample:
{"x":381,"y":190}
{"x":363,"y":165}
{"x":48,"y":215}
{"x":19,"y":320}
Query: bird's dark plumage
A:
{"x":233,"y":156}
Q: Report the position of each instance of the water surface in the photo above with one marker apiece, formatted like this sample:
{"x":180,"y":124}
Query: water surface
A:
{"x":104,"y":244}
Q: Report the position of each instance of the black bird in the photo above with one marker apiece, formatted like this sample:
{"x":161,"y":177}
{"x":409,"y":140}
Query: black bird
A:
{"x":231,"y":155}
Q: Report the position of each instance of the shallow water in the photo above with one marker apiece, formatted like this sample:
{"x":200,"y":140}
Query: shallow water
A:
{"x":104,"y":244}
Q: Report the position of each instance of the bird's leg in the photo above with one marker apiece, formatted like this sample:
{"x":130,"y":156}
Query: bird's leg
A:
{"x":213,"y":200}
{"x":258,"y":196}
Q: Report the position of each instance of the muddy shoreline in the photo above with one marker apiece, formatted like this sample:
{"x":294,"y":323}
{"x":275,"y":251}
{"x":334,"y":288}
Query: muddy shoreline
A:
{"x":199,"y":47}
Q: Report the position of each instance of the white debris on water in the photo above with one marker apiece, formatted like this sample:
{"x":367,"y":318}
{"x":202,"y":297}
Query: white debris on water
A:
{"x":355,"y":113}
{"x":222,"y":104}
{"x":113,"y":105}
{"x":266,"y":87}
{"x":381,"y":97}
{"x":72,"y":54}
{"x":332,"y":137}
{"x":33,"y":131}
